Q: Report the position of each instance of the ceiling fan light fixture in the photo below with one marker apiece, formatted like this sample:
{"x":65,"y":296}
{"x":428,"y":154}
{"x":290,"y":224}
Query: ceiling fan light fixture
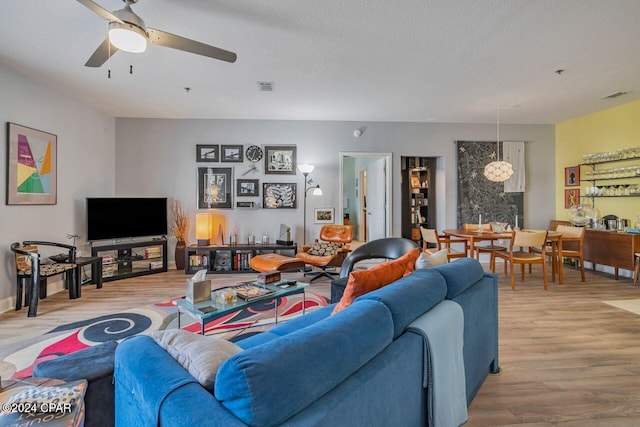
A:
{"x":498,"y":170}
{"x":127,"y":37}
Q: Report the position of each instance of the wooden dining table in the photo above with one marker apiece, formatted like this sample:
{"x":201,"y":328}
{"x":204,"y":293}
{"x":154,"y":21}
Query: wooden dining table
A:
{"x":475,"y":236}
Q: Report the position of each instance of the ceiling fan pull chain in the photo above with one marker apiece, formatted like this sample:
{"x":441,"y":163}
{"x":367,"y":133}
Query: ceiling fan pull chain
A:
{"x":109,"y":62}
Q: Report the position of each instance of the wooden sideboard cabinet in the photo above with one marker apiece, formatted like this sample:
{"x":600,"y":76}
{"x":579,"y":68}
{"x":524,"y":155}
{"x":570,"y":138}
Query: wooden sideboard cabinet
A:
{"x":610,"y":248}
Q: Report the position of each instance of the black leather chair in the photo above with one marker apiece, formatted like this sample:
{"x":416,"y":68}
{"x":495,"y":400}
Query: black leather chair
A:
{"x":387,"y":248}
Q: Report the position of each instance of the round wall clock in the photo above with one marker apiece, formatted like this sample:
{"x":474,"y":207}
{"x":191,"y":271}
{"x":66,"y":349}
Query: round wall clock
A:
{"x":254,"y":153}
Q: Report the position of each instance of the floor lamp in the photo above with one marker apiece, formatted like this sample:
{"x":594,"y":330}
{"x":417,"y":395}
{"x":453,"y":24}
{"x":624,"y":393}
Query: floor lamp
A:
{"x":306,"y":170}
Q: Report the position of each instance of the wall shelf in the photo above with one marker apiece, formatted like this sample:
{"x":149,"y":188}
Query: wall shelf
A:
{"x":629,"y":179}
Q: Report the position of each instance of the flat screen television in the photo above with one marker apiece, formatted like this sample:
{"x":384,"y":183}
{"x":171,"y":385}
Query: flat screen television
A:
{"x":121,"y":217}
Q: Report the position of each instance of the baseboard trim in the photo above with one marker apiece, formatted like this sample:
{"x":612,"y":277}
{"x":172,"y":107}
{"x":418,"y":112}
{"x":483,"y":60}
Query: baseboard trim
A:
{"x":9,"y":303}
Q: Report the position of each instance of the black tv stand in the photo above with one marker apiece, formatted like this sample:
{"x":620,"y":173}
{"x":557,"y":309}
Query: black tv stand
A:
{"x":123,"y":260}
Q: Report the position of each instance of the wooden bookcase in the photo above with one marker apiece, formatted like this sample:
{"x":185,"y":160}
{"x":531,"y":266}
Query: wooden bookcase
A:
{"x":418,"y":196}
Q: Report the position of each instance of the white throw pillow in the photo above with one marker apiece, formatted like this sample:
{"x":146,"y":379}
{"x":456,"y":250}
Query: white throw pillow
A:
{"x":201,"y":355}
{"x":427,"y":261}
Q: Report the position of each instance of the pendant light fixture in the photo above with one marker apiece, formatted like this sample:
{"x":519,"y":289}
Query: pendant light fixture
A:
{"x":498,"y":171}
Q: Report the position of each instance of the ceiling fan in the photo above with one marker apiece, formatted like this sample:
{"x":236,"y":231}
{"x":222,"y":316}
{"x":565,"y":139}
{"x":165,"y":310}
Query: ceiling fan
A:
{"x":128,"y":32}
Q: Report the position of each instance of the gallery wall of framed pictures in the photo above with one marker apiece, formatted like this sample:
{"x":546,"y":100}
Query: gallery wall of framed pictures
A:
{"x":255,"y":168}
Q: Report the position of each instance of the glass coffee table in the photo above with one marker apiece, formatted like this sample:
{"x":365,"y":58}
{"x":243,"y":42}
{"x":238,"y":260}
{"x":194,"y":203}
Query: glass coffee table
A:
{"x":207,"y":311}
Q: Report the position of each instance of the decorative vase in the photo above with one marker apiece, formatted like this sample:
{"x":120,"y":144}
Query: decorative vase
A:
{"x":179,"y":254}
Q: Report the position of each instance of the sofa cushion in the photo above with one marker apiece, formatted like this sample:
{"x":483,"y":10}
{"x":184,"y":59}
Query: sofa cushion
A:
{"x":409,"y":297}
{"x":201,"y":355}
{"x":428,"y":261}
{"x":285,"y":328}
{"x":361,"y":282}
{"x":460,"y":275}
{"x":267,"y":384}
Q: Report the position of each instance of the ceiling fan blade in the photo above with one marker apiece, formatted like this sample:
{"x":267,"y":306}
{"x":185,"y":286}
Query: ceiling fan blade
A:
{"x":100,"y":11}
{"x":101,"y":54}
{"x":181,"y":43}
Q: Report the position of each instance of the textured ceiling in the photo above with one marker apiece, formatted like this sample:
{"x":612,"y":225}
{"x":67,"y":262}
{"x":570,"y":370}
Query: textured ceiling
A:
{"x":373,"y":60}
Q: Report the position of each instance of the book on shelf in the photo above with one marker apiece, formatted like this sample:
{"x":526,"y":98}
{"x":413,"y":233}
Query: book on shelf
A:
{"x":108,"y":270}
{"x":154,"y":265}
{"x":222,"y":261}
{"x":242,"y":260}
{"x":152,"y":252}
{"x":198,"y":262}
{"x":251,"y":291}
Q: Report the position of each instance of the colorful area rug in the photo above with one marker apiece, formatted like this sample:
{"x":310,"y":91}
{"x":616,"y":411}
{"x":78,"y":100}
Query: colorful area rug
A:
{"x":145,"y":320}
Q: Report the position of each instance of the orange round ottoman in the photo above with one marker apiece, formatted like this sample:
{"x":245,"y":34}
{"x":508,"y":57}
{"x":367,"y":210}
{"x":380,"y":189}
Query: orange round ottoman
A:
{"x":269,"y":262}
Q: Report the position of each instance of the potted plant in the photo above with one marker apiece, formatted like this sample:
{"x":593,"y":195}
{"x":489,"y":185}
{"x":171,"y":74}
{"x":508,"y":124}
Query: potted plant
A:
{"x":180,"y":230}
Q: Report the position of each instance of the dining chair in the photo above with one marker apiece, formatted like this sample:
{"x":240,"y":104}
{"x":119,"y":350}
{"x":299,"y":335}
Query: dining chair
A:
{"x":491,"y":247}
{"x":522,"y":239}
{"x":431,"y":236}
{"x":572,"y":243}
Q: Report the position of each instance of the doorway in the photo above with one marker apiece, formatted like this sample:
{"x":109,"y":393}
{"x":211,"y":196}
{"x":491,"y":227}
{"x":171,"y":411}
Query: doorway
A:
{"x":365,"y":194}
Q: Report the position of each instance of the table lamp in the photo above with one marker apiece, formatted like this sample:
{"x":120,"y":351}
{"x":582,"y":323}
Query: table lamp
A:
{"x":203,"y":229}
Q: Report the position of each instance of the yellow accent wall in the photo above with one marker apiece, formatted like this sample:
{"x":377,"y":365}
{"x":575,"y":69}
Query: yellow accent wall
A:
{"x":607,"y":130}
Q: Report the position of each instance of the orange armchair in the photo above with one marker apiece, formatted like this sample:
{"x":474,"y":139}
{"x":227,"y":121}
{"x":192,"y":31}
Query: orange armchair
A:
{"x":329,"y":251}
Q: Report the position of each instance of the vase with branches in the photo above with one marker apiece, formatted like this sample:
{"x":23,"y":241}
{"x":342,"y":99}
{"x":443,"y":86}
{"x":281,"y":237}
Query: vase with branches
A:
{"x":180,"y":229}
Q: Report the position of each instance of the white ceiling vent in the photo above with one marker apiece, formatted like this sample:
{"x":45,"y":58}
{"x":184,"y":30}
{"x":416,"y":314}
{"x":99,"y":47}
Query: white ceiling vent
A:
{"x":265,"y":86}
{"x":614,"y":95}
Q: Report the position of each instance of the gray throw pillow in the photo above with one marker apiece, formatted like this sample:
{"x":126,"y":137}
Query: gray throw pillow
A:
{"x":200,"y":355}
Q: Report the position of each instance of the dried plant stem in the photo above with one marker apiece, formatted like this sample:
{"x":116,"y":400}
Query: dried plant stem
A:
{"x":181,"y":227}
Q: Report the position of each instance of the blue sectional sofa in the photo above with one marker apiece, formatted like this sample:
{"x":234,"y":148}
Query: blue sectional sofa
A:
{"x":365,"y":365}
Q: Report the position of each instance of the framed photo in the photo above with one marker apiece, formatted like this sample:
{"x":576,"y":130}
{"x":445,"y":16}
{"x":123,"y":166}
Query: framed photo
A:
{"x":32,"y":166}
{"x":415,"y":181}
{"x":280,"y":159}
{"x":247,"y":187}
{"x":207,"y":153}
{"x":215,"y":188}
{"x":231,"y":153}
{"x":571,"y":197}
{"x":324,"y":216}
{"x":279,"y":195}
{"x":572,"y":176}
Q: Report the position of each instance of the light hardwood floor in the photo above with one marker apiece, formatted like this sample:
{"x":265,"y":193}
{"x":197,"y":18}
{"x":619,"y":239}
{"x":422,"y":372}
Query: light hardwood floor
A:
{"x":568,"y":359}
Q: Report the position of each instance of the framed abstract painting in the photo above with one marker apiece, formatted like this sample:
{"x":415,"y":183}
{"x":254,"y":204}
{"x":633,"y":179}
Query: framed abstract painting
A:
{"x":279,"y":195}
{"x":32,"y":171}
{"x":215,"y":188}
{"x":280,"y":159}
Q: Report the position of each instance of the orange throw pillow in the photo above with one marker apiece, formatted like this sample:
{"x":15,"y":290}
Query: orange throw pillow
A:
{"x":362,"y":282}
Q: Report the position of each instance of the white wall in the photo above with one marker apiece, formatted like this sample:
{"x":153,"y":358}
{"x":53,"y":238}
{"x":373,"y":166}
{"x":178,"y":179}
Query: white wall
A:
{"x":156,"y":157}
{"x":86,"y":158}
